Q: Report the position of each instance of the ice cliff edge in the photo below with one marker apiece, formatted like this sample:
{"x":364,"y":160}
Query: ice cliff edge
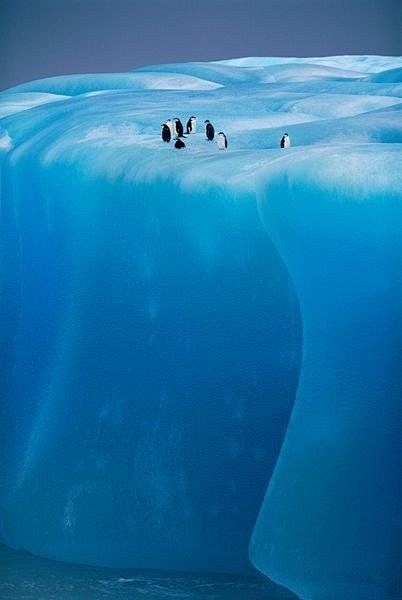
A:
{"x":162,"y":310}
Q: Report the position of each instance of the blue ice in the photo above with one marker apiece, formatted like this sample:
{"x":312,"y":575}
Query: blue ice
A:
{"x":200,"y":350}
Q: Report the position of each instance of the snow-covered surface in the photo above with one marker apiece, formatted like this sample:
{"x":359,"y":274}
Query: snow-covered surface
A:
{"x":185,"y":327}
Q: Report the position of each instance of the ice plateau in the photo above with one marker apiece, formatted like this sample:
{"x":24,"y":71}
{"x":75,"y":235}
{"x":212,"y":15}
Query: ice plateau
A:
{"x":200,"y":350}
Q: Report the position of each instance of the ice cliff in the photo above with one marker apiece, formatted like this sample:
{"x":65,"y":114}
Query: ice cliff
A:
{"x":200,"y":348}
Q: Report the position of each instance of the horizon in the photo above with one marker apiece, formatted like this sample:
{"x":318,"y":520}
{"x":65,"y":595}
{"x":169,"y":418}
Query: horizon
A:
{"x":101,"y":36}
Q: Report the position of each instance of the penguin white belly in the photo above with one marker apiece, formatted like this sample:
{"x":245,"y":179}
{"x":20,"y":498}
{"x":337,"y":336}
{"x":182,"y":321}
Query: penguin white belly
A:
{"x":221,"y":141}
{"x":171,"y":126}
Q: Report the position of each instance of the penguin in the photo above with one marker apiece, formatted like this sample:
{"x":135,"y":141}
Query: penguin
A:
{"x":171,"y":126}
{"x":178,"y":125}
{"x":179,"y":144}
{"x":191,"y":125}
{"x":209,"y":130}
{"x":222,"y":141}
{"x":285,"y":141}
{"x":166,"y":135}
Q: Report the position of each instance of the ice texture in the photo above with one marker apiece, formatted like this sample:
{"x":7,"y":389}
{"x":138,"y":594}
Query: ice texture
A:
{"x":330,"y":525}
{"x":184,"y":332}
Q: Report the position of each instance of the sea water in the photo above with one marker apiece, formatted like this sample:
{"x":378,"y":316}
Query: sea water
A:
{"x":26,"y":577}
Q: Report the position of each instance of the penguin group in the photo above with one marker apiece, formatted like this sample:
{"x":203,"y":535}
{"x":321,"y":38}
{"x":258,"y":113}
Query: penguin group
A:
{"x":173,"y":128}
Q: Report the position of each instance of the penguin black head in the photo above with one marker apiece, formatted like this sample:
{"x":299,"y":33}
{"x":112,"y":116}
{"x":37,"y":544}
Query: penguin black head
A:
{"x":206,"y":121}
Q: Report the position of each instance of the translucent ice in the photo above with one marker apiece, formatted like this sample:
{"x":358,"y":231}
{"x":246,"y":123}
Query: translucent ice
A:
{"x":163,"y":311}
{"x":330,"y":524}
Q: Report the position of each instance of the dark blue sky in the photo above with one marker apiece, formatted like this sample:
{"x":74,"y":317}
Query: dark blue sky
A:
{"x":39,"y":38}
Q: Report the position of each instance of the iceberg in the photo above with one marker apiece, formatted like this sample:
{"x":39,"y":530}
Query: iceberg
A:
{"x":200,"y":349}
{"x":330,"y":522}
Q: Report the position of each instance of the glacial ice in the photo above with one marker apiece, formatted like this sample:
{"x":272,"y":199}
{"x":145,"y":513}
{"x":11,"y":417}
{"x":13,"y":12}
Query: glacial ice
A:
{"x":184,"y":332}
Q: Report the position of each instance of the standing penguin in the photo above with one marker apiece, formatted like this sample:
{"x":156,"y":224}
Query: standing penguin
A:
{"x":285,"y":141}
{"x":178,"y":125}
{"x":191,"y":125}
{"x":171,"y":126}
{"x":209,"y":130}
{"x":166,"y":135}
{"x":222,"y":141}
{"x":179,"y":144}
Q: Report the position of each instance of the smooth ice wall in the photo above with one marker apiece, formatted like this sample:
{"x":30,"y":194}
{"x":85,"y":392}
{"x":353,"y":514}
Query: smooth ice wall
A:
{"x":107,"y":143}
{"x":330,"y":525}
{"x":149,"y":358}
